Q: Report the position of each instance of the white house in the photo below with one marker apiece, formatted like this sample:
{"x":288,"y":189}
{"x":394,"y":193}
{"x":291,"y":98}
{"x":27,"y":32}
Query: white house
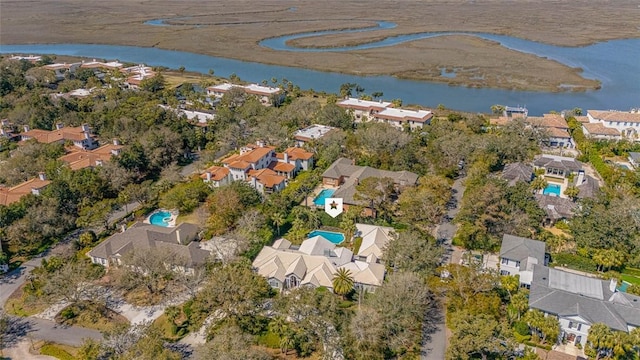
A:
{"x":401,"y":118}
{"x":578,"y":302}
{"x":216,"y":176}
{"x":374,"y":241}
{"x":80,"y":136}
{"x":363,"y":110}
{"x":265,"y":94}
{"x":310,"y":133}
{"x":556,"y":128}
{"x":518,"y":255}
{"x":626,"y":123}
{"x":314,"y":263}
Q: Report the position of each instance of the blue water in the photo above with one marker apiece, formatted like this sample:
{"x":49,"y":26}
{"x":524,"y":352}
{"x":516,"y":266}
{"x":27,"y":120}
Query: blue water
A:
{"x":623,"y":287}
{"x":614,"y":63}
{"x":159,"y":218}
{"x":334,"y":237}
{"x":552,"y":189}
{"x":325,"y":193}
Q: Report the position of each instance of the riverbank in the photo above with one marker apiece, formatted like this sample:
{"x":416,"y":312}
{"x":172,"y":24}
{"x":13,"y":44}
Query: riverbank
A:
{"x":228,"y":29}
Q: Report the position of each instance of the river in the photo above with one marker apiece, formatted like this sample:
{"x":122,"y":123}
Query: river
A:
{"x":615,"y":63}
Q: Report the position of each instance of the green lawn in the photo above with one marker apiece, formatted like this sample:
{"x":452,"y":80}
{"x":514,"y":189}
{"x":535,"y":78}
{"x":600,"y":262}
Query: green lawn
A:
{"x":631,"y":279}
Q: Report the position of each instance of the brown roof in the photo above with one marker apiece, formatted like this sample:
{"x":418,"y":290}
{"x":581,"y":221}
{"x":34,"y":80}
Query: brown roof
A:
{"x":548,"y":120}
{"x":267,"y":177}
{"x":621,"y":116}
{"x":240,"y":165}
{"x":48,"y":137}
{"x":582,"y":119}
{"x":13,"y":194}
{"x":281,"y":166}
{"x":599,"y":129}
{"x":501,"y":121}
{"x":252,"y":156}
{"x":80,"y":159}
{"x":217,"y":173}
{"x":296,"y":153}
{"x":558,"y":133}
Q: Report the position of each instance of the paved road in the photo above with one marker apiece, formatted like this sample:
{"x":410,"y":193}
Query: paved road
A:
{"x":11,"y":281}
{"x":434,"y":343}
{"x":21,"y":329}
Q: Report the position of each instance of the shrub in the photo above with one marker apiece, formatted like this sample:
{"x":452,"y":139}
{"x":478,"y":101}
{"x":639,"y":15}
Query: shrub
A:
{"x":56,"y":352}
{"x":270,"y":340}
{"x":68,"y":313}
{"x":521,"y":328}
{"x":574,"y":261}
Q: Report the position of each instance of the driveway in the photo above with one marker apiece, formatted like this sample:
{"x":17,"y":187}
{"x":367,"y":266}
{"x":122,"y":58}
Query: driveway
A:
{"x":20,"y":329}
{"x":11,"y":281}
{"x":434,"y":343}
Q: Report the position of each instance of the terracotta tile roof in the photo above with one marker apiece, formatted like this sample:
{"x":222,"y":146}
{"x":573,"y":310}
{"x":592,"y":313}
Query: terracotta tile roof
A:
{"x":48,"y":137}
{"x":240,"y":165}
{"x":582,"y":119}
{"x":548,"y":120}
{"x":217,"y":173}
{"x":296,"y":153}
{"x":558,"y":133}
{"x":620,"y":116}
{"x":599,"y":129}
{"x":267,"y":177}
{"x":501,"y":121}
{"x":253,"y":155}
{"x":281,"y":166}
{"x":13,"y":194}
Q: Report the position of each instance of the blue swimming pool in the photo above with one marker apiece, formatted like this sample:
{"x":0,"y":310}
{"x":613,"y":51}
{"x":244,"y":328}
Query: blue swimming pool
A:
{"x":552,"y":189}
{"x":623,"y":287}
{"x":334,"y":237}
{"x":160,"y":218}
{"x":325,"y":193}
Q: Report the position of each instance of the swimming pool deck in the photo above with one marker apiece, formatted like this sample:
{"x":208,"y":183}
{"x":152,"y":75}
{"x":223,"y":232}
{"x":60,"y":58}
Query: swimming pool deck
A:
{"x":172,"y":220}
{"x":314,"y":193}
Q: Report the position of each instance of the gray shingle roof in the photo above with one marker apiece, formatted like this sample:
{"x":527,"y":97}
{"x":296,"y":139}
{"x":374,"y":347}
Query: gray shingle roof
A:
{"x":589,"y":188}
{"x":520,"y":249}
{"x":558,"y":162}
{"x":635,"y":156}
{"x":517,"y":172}
{"x":556,"y":207}
{"x":566,"y":294}
{"x":345,"y":168}
{"x":142,"y":236}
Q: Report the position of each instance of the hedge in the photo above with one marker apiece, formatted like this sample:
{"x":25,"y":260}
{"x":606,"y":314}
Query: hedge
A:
{"x":574,"y":261}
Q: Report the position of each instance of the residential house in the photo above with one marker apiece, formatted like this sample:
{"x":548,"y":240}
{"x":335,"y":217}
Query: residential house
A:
{"x":598,"y":131}
{"x":556,"y":208}
{"x":363,"y":110}
{"x":518,"y":255}
{"x":62,"y":69}
{"x":555,"y":127}
{"x":344,"y":175}
{"x":375,"y":240}
{"x":634,"y":159}
{"x":7,"y":130}
{"x":266,"y":170}
{"x":402,"y":118}
{"x":137,"y":74}
{"x":80,"y":159}
{"x":517,"y":172}
{"x":314,"y":263}
{"x":216,"y":176}
{"x":110,"y":65}
{"x":564,"y":172}
{"x":578,"y":302}
{"x":625,"y":123}
{"x":265,"y":94}
{"x":33,"y":186}
{"x":179,"y":240}
{"x":80,"y":136}
{"x":311,"y":133}
{"x":30,"y":58}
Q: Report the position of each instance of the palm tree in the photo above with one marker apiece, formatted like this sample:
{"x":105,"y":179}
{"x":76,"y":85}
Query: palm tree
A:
{"x":342,"y":282}
{"x":278,"y":220}
{"x":538,"y":183}
{"x":622,"y":345}
{"x":599,"y":341}
{"x":572,"y":192}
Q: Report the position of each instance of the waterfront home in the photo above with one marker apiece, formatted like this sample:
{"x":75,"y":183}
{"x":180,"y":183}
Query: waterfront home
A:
{"x":311,"y":133}
{"x":598,"y":131}
{"x":345,"y":176}
{"x":62,"y":69}
{"x":30,"y":58}
{"x":555,"y":127}
{"x":363,"y":110}
{"x":266,"y":95}
{"x":314,"y":263}
{"x":80,"y":159}
{"x":561,"y":172}
{"x":216,"y":176}
{"x":578,"y":302}
{"x":625,"y":123}
{"x":93,"y":64}
{"x":136,"y":75}
{"x":518,"y":255}
{"x":80,"y":136}
{"x":556,"y":208}
{"x":402,"y":118}
{"x":141,"y":237}
{"x":33,"y":186}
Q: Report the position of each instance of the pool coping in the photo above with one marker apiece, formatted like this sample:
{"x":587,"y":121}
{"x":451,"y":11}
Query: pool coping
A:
{"x":172,"y":220}
{"x":344,"y":237}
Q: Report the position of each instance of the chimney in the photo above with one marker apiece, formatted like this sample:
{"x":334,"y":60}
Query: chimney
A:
{"x":612,"y":285}
{"x":85,"y":127}
{"x":123,"y":227}
{"x":254,"y":182}
{"x":178,"y":236}
{"x":59,"y":126}
{"x":26,"y":128}
{"x":35,"y":191}
{"x":2,"y":132}
{"x":116,"y":142}
{"x":115,"y":152}
{"x":208,"y":176}
{"x":286,"y":157}
{"x":99,"y":162}
{"x":580,"y":179}
{"x":42,"y":176}
{"x":86,"y":135}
